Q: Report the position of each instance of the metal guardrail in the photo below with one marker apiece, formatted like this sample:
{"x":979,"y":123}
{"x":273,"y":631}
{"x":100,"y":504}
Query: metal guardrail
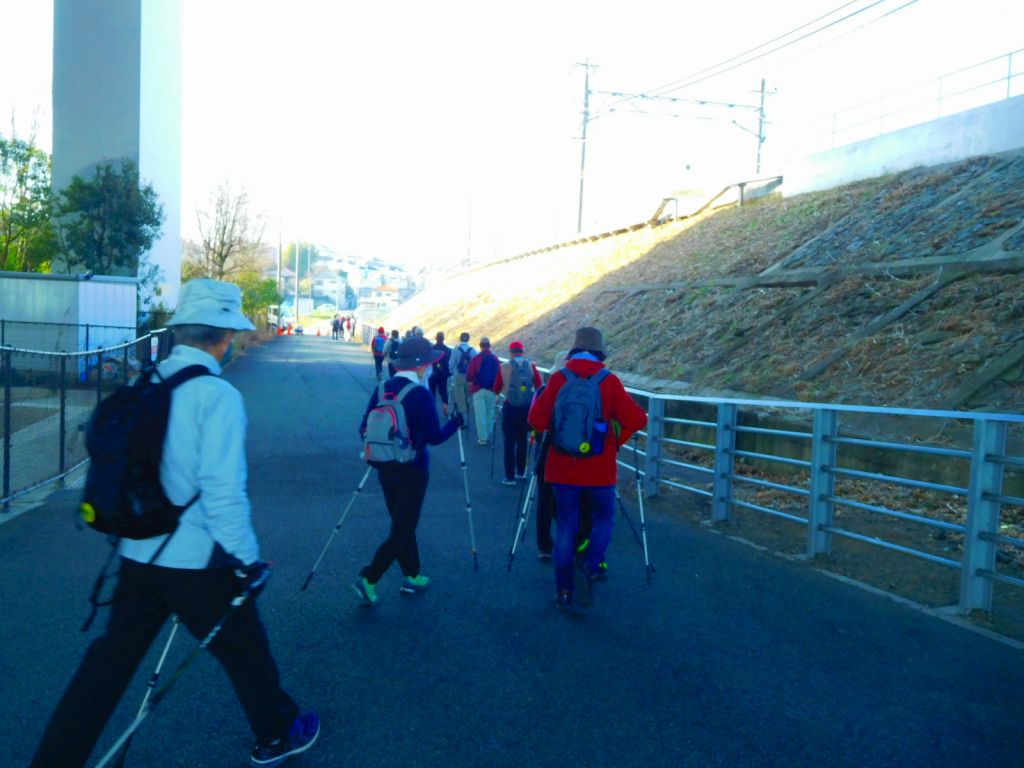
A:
{"x":46,"y":401}
{"x":976,"y":85}
{"x":698,"y":445}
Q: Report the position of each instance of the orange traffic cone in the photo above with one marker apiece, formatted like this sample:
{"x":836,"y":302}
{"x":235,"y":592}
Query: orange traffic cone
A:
{"x":318,"y":330}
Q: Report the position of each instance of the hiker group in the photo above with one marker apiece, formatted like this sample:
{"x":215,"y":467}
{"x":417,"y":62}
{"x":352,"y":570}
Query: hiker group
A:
{"x":343,"y":327}
{"x":167,"y":481}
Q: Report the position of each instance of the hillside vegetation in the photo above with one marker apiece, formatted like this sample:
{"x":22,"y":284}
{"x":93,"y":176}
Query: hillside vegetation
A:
{"x":903,"y":290}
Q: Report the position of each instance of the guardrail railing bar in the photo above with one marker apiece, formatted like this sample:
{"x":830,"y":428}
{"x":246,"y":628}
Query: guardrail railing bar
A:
{"x":775,"y":432}
{"x":1000,"y":539}
{"x":768,"y":484}
{"x":1009,"y":500}
{"x":769,"y":511}
{"x":725,"y":444}
{"x":994,"y":576}
{"x":894,"y":547}
{"x":1006,"y":461}
{"x":687,"y":465}
{"x":688,"y":443}
{"x":954,"y":527}
{"x":689,"y":422}
{"x":990,"y":438}
{"x":684,"y":487}
{"x":772,"y":457}
{"x":905,"y":481}
{"x":908,"y":447}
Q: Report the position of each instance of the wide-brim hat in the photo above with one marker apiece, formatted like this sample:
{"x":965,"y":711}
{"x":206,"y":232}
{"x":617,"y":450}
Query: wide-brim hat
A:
{"x":213,"y":303}
{"x":416,"y":351}
{"x":590,"y":340}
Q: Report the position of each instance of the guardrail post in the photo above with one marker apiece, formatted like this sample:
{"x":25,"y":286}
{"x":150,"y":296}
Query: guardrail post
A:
{"x":725,"y":461}
{"x":823,"y":459}
{"x":655,"y":429}
{"x":63,"y":410}
{"x":986,"y":482}
{"x":8,"y":375}
{"x":99,"y":376}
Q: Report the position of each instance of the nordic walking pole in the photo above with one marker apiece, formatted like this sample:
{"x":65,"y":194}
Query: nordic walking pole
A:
{"x":523,"y":507}
{"x":494,"y":437}
{"x":158,"y":695}
{"x":469,"y":507}
{"x":625,"y":514}
{"x":648,"y":565}
{"x":524,"y":516}
{"x":337,"y":527}
{"x":150,"y":686}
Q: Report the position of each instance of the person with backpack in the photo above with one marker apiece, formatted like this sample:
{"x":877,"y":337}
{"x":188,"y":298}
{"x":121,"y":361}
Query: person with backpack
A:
{"x":517,"y":380}
{"x":208,"y":559}
{"x":482,"y":376}
{"x":335,"y":328}
{"x":462,"y":356}
{"x":589,"y":415}
{"x":377,"y":345}
{"x":440,"y":373}
{"x":399,"y":423}
{"x":391,"y":351}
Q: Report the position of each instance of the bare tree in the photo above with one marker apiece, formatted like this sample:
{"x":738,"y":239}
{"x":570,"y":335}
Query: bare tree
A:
{"x":231,"y":238}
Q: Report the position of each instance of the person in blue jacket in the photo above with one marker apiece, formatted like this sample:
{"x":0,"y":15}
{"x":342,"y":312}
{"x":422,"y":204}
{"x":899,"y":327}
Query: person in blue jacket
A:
{"x":405,"y":485}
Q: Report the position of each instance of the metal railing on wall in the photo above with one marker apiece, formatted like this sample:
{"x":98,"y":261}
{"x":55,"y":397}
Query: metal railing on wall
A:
{"x":836,"y":470}
{"x":976,"y":85}
{"x":46,"y":401}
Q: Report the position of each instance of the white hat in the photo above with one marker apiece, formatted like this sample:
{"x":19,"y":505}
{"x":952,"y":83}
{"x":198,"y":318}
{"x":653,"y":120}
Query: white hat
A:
{"x":211,"y":302}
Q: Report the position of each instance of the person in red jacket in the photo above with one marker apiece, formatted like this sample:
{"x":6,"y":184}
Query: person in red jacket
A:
{"x":592,"y":475}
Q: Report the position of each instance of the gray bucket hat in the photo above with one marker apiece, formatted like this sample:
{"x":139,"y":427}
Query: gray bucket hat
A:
{"x":416,"y":351}
{"x":590,"y":340}
{"x":213,"y":303}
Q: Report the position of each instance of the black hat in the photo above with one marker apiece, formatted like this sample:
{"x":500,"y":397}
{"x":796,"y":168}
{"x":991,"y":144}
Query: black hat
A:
{"x":414,"y":352}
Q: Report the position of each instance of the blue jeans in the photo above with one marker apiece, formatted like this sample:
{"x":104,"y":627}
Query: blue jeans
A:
{"x":567,"y":499}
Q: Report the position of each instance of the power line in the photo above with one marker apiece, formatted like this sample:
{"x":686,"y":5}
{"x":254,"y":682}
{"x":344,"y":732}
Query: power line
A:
{"x":689,"y":80}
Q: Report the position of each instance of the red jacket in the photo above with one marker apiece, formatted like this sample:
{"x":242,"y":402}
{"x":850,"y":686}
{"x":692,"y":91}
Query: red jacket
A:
{"x":617,"y":408}
{"x":474,"y":369}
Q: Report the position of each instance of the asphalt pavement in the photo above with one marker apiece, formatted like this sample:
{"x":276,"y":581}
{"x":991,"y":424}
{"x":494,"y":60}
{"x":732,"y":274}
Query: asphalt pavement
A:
{"x":730,"y":657}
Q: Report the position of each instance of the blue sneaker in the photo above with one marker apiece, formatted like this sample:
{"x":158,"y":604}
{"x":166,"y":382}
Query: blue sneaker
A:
{"x":367,"y":592}
{"x":300,"y":737}
{"x":413,"y":584}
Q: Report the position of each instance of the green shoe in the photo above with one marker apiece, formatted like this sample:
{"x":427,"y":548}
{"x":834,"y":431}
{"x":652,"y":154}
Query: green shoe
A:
{"x":413,"y":584}
{"x":367,"y":592}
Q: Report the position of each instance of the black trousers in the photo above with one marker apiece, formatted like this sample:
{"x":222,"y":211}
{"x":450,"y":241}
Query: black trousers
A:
{"x":438,"y":386}
{"x":378,"y":363}
{"x":515,"y":430}
{"x":145,"y":597}
{"x":404,"y":489}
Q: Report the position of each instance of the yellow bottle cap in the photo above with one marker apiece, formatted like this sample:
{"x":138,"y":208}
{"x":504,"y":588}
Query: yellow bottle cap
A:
{"x":87,"y":512}
{"x":585,"y":448}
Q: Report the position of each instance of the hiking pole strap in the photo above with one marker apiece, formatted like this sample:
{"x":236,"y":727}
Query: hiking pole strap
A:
{"x":97,"y":587}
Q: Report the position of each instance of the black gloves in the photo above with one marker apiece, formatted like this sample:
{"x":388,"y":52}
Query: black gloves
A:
{"x":458,"y":419}
{"x":253,"y":577}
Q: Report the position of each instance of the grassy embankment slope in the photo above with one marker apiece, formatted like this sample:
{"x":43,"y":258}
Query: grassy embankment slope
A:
{"x":901,"y":290}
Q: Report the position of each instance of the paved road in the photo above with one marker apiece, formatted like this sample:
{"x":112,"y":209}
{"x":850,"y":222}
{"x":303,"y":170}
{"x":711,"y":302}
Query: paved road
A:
{"x":731,"y":658}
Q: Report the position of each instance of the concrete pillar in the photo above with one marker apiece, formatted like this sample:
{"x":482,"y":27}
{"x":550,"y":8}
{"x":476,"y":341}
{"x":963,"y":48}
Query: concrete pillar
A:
{"x":117,"y":93}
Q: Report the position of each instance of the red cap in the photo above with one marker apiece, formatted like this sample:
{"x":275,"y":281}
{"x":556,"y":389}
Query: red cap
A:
{"x":381,"y":330}
{"x":516,"y":346}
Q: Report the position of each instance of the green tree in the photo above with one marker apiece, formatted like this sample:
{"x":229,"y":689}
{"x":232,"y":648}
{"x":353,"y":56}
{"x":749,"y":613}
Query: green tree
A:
{"x":108,"y":224}
{"x":258,"y":292}
{"x":308,"y":253}
{"x":27,"y":238}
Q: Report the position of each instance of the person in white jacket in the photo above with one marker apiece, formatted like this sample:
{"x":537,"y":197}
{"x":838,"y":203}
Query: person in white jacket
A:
{"x":197,"y":570}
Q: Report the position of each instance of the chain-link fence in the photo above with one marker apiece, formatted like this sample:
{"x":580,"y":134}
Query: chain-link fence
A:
{"x":47,"y":399}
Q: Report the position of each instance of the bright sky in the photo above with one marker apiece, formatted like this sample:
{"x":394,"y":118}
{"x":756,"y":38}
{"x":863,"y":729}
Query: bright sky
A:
{"x":422,"y":131}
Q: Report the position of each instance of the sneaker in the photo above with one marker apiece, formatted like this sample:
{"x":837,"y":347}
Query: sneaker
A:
{"x":413,"y":584}
{"x":367,"y":592}
{"x":506,"y":481}
{"x":520,"y":477}
{"x":544,"y":556}
{"x":481,"y":442}
{"x":581,"y":581}
{"x":300,"y":737}
{"x":564,"y":602}
{"x":602,"y":571}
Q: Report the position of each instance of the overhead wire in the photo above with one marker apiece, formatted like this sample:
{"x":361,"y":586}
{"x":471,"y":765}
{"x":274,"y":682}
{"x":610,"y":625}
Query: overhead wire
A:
{"x":715,"y":70}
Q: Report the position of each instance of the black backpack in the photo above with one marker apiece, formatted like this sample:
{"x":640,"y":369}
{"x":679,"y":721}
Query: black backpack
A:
{"x":396,"y":345}
{"x":125,"y":439}
{"x":487,"y":373}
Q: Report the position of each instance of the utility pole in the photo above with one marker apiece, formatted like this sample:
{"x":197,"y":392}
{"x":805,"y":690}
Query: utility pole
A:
{"x":760,"y":128}
{"x":583,"y":146}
